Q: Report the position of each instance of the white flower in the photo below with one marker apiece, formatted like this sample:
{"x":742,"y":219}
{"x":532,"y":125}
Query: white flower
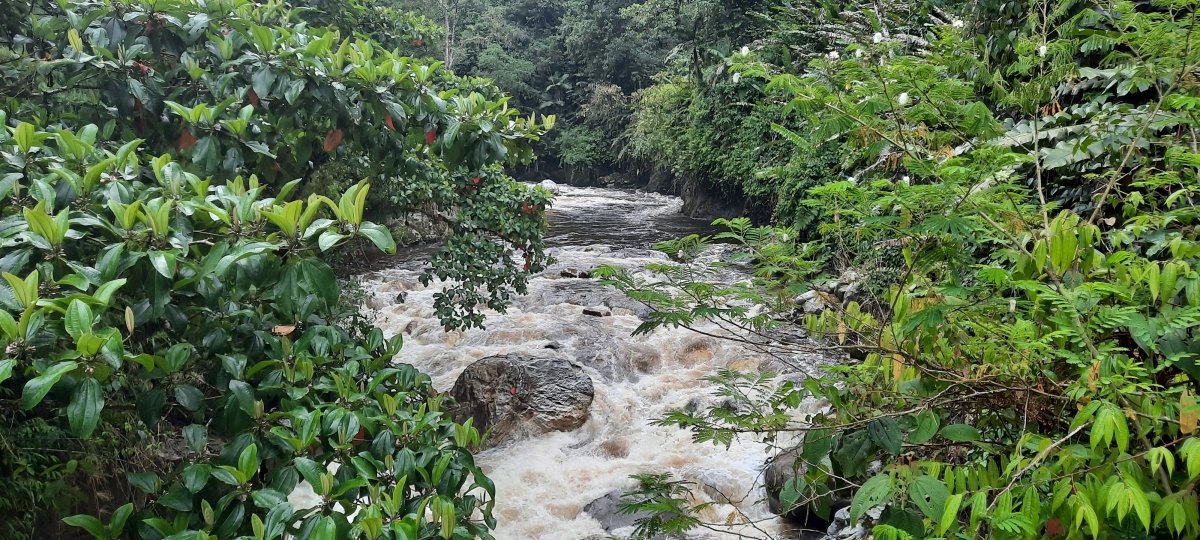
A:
{"x":957,"y":23}
{"x":833,"y":55}
{"x":903,"y":98}
{"x":858,"y":53}
{"x":736,"y":77}
{"x":1042,"y":50}
{"x":877,"y":38}
{"x":904,"y":179}
{"x":852,"y":180}
{"x":745,"y":49}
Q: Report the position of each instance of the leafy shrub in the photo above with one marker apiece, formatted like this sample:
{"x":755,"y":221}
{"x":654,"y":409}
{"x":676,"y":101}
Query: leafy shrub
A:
{"x":201,"y":307}
{"x":1031,"y":370}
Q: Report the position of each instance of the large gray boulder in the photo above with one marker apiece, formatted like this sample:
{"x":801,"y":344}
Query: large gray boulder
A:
{"x":518,"y":396}
{"x":607,"y":511}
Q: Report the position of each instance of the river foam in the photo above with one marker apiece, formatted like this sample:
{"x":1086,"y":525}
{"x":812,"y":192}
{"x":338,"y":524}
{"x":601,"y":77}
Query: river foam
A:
{"x":544,"y":483}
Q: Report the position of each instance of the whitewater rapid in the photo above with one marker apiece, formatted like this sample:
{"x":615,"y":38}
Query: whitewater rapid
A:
{"x":544,"y":483}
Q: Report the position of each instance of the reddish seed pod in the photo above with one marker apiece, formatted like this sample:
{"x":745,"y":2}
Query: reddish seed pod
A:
{"x":430,"y":136}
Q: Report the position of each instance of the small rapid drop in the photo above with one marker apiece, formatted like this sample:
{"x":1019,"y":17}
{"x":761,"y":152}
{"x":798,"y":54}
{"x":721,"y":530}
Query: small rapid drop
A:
{"x":544,"y":483}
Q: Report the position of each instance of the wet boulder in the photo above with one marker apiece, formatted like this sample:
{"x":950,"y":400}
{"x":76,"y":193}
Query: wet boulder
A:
{"x":781,"y":470}
{"x":607,"y":511}
{"x":517,"y":396}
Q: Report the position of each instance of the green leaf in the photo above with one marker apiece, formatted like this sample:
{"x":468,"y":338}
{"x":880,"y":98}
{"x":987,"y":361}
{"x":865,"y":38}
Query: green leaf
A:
{"x":8,"y":325}
{"x":949,"y":513}
{"x":79,"y":319}
{"x":195,"y":476}
{"x":885,"y":433}
{"x":325,"y":529}
{"x":872,"y":493}
{"x":39,"y":386}
{"x":929,"y":494}
{"x":262,"y":81}
{"x":328,"y":239}
{"x":6,"y":369}
{"x":927,"y":427}
{"x":310,"y":470}
{"x":817,"y":443}
{"x":380,"y":236}
{"x":163,"y":262}
{"x":90,"y":524}
{"x":248,"y":461}
{"x":244,"y":394}
{"x":104,"y":292}
{"x":83,"y":413}
{"x":116,"y":524}
{"x":225,"y":475}
{"x":960,"y":433}
{"x":189,"y":397}
{"x":147,"y":482}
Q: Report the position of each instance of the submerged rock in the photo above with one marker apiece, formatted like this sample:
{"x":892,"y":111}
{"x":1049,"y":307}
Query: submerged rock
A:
{"x":517,"y":397}
{"x":607,"y":510}
{"x":575,"y":273}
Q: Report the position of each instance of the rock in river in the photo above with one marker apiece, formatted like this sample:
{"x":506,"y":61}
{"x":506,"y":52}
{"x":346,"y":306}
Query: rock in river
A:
{"x":518,"y":396}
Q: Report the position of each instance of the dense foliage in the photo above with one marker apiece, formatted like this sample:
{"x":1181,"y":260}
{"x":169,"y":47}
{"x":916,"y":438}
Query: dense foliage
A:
{"x":566,"y":58}
{"x":177,"y":357}
{"x":1019,"y":321}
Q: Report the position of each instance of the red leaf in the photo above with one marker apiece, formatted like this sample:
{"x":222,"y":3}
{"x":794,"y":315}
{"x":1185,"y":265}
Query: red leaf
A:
{"x":430,"y":136}
{"x":283,"y":329}
{"x":253,"y":97}
{"x":186,"y":139}
{"x":391,"y":125}
{"x":332,"y":140}
{"x":1054,"y":527}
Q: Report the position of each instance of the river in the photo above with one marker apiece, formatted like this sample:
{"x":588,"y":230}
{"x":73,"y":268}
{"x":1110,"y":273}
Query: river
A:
{"x":544,"y":483}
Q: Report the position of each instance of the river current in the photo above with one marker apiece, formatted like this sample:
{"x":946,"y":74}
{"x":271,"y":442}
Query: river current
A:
{"x":543,"y":484}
